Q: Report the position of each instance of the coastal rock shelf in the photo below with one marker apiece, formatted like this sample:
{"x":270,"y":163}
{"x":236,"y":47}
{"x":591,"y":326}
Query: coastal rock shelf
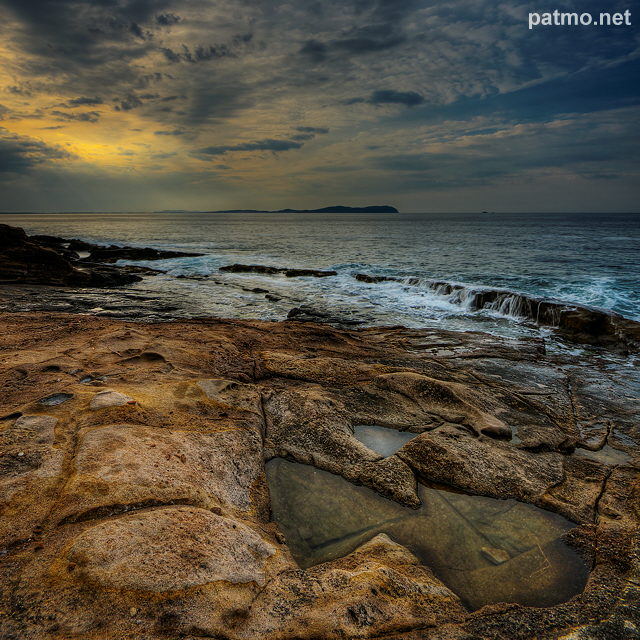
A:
{"x":440,"y":485}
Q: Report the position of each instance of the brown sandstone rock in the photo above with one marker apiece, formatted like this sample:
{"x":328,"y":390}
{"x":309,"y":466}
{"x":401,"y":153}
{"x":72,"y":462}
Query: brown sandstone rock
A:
{"x":119,"y":467}
{"x":109,"y":398}
{"x":378,"y":590}
{"x":481,"y":467}
{"x":30,"y":472}
{"x":170,"y":549}
{"x":88,"y":535}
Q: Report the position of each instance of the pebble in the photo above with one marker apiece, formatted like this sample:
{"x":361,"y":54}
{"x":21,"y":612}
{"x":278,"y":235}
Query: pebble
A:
{"x":495,"y":556}
{"x":109,"y":398}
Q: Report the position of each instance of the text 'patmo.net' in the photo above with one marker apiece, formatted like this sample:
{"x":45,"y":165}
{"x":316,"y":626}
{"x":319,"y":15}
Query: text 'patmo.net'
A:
{"x":573,"y":19}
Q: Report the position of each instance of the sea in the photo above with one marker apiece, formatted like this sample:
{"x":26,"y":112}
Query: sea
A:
{"x":581,"y":258}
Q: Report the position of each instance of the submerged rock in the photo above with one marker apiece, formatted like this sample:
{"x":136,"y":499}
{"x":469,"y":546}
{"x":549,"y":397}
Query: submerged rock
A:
{"x":290,"y":273}
{"x":464,"y":539}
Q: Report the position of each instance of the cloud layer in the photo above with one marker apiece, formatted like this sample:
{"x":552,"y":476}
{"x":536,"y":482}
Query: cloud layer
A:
{"x":413,"y":100}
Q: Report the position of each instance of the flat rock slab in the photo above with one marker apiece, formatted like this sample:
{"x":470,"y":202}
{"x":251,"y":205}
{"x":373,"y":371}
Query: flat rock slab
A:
{"x":170,"y":549}
{"x":30,"y":465}
{"x":30,"y":431}
{"x":122,"y":465}
{"x":232,"y":393}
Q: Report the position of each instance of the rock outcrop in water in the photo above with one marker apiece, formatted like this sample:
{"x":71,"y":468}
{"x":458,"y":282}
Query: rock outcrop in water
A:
{"x":136,"y":505}
{"x":50,"y":260}
{"x":290,"y":273}
{"x":580,"y":324}
{"x":24,"y":260}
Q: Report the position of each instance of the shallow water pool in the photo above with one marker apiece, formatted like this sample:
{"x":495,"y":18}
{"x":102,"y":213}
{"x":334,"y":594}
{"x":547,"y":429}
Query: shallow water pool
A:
{"x":485,"y":550}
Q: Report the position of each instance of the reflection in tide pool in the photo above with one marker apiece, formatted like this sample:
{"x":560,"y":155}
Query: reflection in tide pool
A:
{"x":485,"y":550}
{"x":380,"y":439}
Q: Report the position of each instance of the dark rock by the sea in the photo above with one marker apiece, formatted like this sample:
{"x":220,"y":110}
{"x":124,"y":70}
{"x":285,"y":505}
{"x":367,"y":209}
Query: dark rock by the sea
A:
{"x":364,"y":277}
{"x":114,"y":253}
{"x":290,"y":273}
{"x":25,"y":262}
{"x":54,"y":261}
{"x":573,"y":322}
{"x":309,"y":314}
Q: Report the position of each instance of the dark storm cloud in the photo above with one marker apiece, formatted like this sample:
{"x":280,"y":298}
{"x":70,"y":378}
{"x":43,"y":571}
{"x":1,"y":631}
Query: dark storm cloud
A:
{"x":203,"y":53}
{"x":20,"y":154}
{"x":313,"y":129}
{"x":128,"y":103}
{"x":164,"y":156}
{"x":69,"y":28}
{"x":260,"y":145}
{"x":199,"y":54}
{"x":167,"y":19}
{"x":85,"y":116}
{"x":308,"y":133}
{"x":314,"y":50}
{"x":376,"y":26}
{"x":84,"y":101}
{"x":133,"y":101}
{"x":80,"y":47}
{"x":369,"y":39}
{"x":174,"y":132}
{"x":210,"y":103}
{"x":138,"y":31}
{"x":20,"y":91}
{"x":388,"y":96}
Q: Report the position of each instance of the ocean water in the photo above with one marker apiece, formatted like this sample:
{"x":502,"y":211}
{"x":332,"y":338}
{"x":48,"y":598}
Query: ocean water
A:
{"x":587,"y":259}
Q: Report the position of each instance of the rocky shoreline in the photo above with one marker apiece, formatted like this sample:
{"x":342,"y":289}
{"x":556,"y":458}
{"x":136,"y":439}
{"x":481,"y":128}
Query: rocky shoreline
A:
{"x":135,"y":502}
{"x":37,"y":260}
{"x":53,"y":261}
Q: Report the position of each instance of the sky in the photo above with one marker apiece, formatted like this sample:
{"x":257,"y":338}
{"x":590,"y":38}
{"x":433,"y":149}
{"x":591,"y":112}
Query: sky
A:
{"x":138,"y":105}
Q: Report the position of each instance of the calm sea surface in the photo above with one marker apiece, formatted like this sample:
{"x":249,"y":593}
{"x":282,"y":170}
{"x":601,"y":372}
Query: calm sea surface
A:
{"x":590,"y":259}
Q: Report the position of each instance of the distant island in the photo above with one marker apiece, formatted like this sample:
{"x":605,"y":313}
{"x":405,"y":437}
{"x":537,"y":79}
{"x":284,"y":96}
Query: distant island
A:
{"x":334,"y":209}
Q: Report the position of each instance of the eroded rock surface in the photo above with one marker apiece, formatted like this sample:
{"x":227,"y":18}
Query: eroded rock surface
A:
{"x":146,"y":551}
{"x":139,"y":507}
